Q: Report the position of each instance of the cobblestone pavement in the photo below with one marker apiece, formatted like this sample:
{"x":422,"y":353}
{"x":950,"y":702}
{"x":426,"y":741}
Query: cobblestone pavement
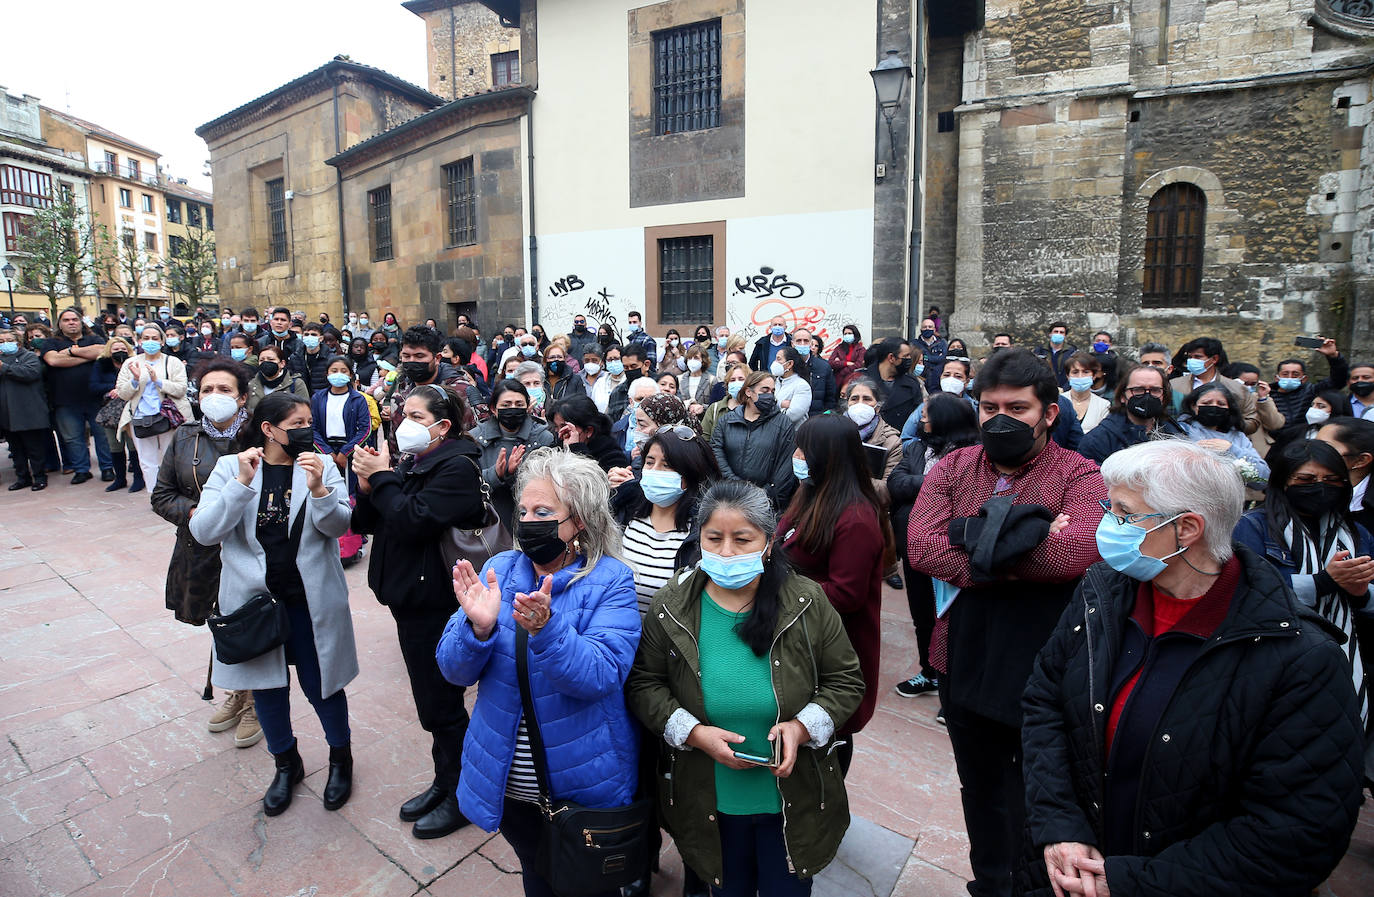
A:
{"x":110,"y":783}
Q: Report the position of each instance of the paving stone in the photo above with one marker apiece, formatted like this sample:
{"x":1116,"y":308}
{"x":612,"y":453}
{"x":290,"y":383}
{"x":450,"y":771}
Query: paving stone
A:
{"x":44,"y":864}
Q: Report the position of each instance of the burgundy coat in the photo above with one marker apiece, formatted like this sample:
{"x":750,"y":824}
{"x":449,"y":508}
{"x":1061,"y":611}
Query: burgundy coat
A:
{"x":851,"y":573}
{"x":846,"y":359}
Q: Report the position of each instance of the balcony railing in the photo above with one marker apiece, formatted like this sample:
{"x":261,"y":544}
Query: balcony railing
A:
{"x":127,"y":173}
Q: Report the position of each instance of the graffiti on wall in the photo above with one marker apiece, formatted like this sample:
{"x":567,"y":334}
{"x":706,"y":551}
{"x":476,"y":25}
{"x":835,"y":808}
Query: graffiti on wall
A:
{"x":766,"y":283}
{"x":777,"y":296}
{"x":569,"y":296}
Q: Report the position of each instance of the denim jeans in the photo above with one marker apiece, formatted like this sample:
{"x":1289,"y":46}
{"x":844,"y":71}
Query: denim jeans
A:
{"x":754,"y":859}
{"x":73,"y":421}
{"x":274,"y":704}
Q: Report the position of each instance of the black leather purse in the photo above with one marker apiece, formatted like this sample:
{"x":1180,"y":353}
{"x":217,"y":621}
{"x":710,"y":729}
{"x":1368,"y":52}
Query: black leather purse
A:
{"x":582,"y":850}
{"x":257,"y":627}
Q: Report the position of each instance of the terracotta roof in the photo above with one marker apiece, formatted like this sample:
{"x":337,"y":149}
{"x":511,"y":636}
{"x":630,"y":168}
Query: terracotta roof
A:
{"x":432,"y":118}
{"x":186,"y":191}
{"x":313,"y":82}
{"x":101,"y":131}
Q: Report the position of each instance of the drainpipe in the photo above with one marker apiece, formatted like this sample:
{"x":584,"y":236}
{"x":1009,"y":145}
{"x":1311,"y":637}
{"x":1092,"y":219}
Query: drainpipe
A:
{"x":338,"y":183}
{"x":917,"y":162}
{"x":452,"y":56}
{"x":534,"y":246}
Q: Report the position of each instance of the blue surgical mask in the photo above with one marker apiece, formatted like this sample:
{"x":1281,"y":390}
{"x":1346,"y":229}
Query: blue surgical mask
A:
{"x":1080,"y":384}
{"x":1288,"y":384}
{"x":1119,"y":544}
{"x":800,"y":470}
{"x":173,"y":341}
{"x":9,"y":348}
{"x":615,"y":368}
{"x":528,"y":351}
{"x":918,"y":369}
{"x":1197,"y":366}
{"x":250,"y":326}
{"x":776,"y":330}
{"x":339,"y":379}
{"x":733,"y":572}
{"x":662,"y":487}
{"x":634,"y":328}
{"x":536,"y":395}
{"x":151,"y":346}
{"x":804,"y":350}
{"x":1057,"y":338}
{"x":311,"y":341}
{"x":1102,"y":348}
{"x":733,"y":388}
{"x":722,"y":341}
{"x":848,"y":338}
{"x":238,"y":354}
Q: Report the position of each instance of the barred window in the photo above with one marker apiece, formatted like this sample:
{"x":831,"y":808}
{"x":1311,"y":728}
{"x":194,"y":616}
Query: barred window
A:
{"x":686,"y":280}
{"x":462,"y":203}
{"x":687,"y":78}
{"x":276,"y":215}
{"x":379,"y":221}
{"x":23,"y":187}
{"x":505,"y":68}
{"x":1173,"y":247}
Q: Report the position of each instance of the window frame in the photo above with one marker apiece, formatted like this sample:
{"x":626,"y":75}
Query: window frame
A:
{"x":149,"y":207}
{"x":173,"y":210}
{"x":460,"y":184}
{"x":379,"y":223}
{"x":135,"y":169}
{"x":509,"y":63}
{"x":193,"y":215}
{"x":175,"y":245}
{"x":687,"y":77}
{"x":1173,"y":249}
{"x":20,"y":186}
{"x":149,"y":241}
{"x":126,"y":198}
{"x":277,"y":249}
{"x":15,"y":225}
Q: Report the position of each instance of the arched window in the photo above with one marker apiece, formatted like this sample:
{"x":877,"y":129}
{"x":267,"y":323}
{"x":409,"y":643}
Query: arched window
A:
{"x":1173,"y":246}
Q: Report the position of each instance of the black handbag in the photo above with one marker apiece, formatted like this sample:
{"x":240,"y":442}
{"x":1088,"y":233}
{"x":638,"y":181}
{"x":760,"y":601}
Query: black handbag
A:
{"x":480,"y":545}
{"x":257,"y":627}
{"x":582,"y":850}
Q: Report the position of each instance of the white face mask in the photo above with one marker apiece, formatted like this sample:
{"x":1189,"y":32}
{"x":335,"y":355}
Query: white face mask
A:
{"x":952,"y":385}
{"x":1317,"y":416}
{"x":592,"y":368}
{"x":412,"y":437}
{"x":218,"y":407}
{"x":694,"y":365}
{"x":861,"y":414}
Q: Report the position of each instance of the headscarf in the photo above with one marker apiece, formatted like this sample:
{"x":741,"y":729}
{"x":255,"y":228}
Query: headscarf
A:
{"x":665,"y":410}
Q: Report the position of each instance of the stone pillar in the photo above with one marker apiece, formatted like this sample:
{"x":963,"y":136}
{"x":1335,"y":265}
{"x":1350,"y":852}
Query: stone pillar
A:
{"x":891,"y":220}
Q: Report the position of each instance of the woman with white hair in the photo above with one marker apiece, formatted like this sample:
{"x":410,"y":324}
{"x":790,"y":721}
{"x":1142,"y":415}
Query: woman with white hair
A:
{"x":565,"y":603}
{"x":1190,"y":727}
{"x":531,"y":376}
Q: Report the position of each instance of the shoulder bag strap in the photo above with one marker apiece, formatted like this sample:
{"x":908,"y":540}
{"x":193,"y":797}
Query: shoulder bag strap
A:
{"x":537,"y":755}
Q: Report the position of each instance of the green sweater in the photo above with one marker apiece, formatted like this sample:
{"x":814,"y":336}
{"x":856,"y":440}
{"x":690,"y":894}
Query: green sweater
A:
{"x":738,"y":689}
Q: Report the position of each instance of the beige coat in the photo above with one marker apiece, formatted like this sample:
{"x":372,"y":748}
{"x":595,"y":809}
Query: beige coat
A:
{"x":171,"y":376}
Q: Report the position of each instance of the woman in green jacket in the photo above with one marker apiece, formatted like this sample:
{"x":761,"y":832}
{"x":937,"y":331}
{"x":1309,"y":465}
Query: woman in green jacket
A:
{"x":747,"y":663}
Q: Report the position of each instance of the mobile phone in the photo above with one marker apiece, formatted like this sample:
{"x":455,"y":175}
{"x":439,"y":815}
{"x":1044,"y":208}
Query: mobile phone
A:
{"x":754,"y":758}
{"x":1309,"y":342}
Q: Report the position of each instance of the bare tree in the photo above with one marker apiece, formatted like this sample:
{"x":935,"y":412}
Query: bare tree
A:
{"x":61,"y":250}
{"x":124,"y":266}
{"x":192,"y":270}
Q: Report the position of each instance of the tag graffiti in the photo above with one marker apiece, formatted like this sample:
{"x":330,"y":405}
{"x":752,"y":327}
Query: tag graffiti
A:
{"x":563,"y":286}
{"x":766,"y":283}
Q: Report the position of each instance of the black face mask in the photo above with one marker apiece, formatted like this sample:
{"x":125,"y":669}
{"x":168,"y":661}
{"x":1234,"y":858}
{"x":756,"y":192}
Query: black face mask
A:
{"x":1146,"y":407}
{"x":1316,"y":499}
{"x":556,"y":368}
{"x":604,"y":339}
{"x":904,"y":367}
{"x":927,"y":334}
{"x":299,"y":440}
{"x":1008,"y":441}
{"x":511,"y":418}
{"x":1364,"y":389}
{"x":418,"y":371}
{"x":633,"y":374}
{"x":766,"y":403}
{"x":119,"y":357}
{"x":1214,"y":417}
{"x":269,"y":369}
{"x":579,"y":328}
{"x":538,"y":539}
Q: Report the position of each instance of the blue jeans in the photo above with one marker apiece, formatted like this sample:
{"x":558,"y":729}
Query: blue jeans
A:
{"x":72,"y":423}
{"x":754,"y":859}
{"x":274,"y":704}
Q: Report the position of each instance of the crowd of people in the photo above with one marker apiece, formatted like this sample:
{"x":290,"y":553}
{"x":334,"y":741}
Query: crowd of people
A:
{"x":1140,"y":584}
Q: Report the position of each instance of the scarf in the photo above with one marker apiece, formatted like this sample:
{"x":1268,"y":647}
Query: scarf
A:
{"x":230,"y":431}
{"x":868,"y":429}
{"x":1311,"y":555}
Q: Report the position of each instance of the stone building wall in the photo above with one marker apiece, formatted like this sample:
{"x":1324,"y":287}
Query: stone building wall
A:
{"x":944,"y":59}
{"x":460,"y":39}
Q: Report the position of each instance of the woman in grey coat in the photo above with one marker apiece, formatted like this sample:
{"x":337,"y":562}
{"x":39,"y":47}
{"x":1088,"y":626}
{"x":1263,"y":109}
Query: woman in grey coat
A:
{"x":504,"y":438}
{"x":277,"y":510}
{"x":23,"y":412}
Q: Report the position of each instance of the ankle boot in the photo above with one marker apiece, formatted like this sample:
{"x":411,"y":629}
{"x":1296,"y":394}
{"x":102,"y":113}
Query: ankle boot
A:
{"x":121,"y":473}
{"x":420,"y":805}
{"x":443,"y":820}
{"x":340,"y":783}
{"x":290,"y":770}
{"x":137,"y":485}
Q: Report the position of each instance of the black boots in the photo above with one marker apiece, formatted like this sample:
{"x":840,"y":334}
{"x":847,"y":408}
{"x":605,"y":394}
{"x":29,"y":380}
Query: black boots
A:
{"x":290,"y":771}
{"x":340,"y":783}
{"x":137,"y":485}
{"x":121,"y":473}
{"x":422,"y":803}
{"x":444,"y":819}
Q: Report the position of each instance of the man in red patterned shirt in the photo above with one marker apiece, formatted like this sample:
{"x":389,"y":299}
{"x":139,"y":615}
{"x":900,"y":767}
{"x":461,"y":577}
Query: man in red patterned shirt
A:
{"x":987,"y":639}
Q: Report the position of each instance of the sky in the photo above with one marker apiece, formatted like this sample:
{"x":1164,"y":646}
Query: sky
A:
{"x":154,"y":70}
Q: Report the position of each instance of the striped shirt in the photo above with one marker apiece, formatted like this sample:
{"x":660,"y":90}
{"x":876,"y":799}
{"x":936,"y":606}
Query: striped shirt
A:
{"x":652,"y":556}
{"x":522,"y":784}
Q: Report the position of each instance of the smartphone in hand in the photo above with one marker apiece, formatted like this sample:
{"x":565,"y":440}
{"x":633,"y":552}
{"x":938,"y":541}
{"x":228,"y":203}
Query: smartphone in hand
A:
{"x":1309,"y":342}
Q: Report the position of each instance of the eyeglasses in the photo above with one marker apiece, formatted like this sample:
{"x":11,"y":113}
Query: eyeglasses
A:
{"x":686,"y":434}
{"x":1132,"y":518}
{"x":1307,"y":479}
{"x":1157,"y":391}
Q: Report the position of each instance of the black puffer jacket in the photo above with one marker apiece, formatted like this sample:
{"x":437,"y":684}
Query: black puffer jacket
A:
{"x":759,"y":451}
{"x":1251,"y":781}
{"x":408,"y":511}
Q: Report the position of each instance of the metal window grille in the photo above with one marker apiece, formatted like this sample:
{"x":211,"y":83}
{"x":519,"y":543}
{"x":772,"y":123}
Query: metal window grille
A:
{"x":462,"y":203}
{"x":687,"y":78}
{"x":23,"y":187}
{"x":1360,"y":9}
{"x":1174,"y":228}
{"x":379,"y":211}
{"x":505,"y":68}
{"x":686,"y":280}
{"x":945,"y":122}
{"x":276,"y":216}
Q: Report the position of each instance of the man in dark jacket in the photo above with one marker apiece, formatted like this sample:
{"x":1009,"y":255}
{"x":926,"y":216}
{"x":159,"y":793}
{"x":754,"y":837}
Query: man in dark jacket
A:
{"x":636,"y":360}
{"x":582,"y":339}
{"x":1292,"y":394}
{"x":1058,"y":352}
{"x":24,"y":412}
{"x":642,"y":340}
{"x":986,"y":640}
{"x":819,"y":374}
{"x":889,"y":364}
{"x":1190,"y":727}
{"x":311,"y":361}
{"x":280,"y":334}
{"x":933,"y":350}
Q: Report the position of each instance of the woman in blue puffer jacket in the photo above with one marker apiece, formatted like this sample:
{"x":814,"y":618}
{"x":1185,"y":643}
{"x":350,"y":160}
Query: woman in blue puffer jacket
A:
{"x":564,"y":592}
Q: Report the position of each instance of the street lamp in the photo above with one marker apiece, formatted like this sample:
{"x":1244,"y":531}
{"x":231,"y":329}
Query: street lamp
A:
{"x":889,"y":82}
{"x":8,"y":271}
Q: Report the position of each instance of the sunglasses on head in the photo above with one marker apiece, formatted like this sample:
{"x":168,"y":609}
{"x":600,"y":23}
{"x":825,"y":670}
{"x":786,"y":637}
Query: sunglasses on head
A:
{"x":685,"y":433}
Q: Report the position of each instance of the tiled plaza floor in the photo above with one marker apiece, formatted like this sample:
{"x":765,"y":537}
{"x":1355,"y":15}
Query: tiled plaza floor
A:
{"x":110,"y":783}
